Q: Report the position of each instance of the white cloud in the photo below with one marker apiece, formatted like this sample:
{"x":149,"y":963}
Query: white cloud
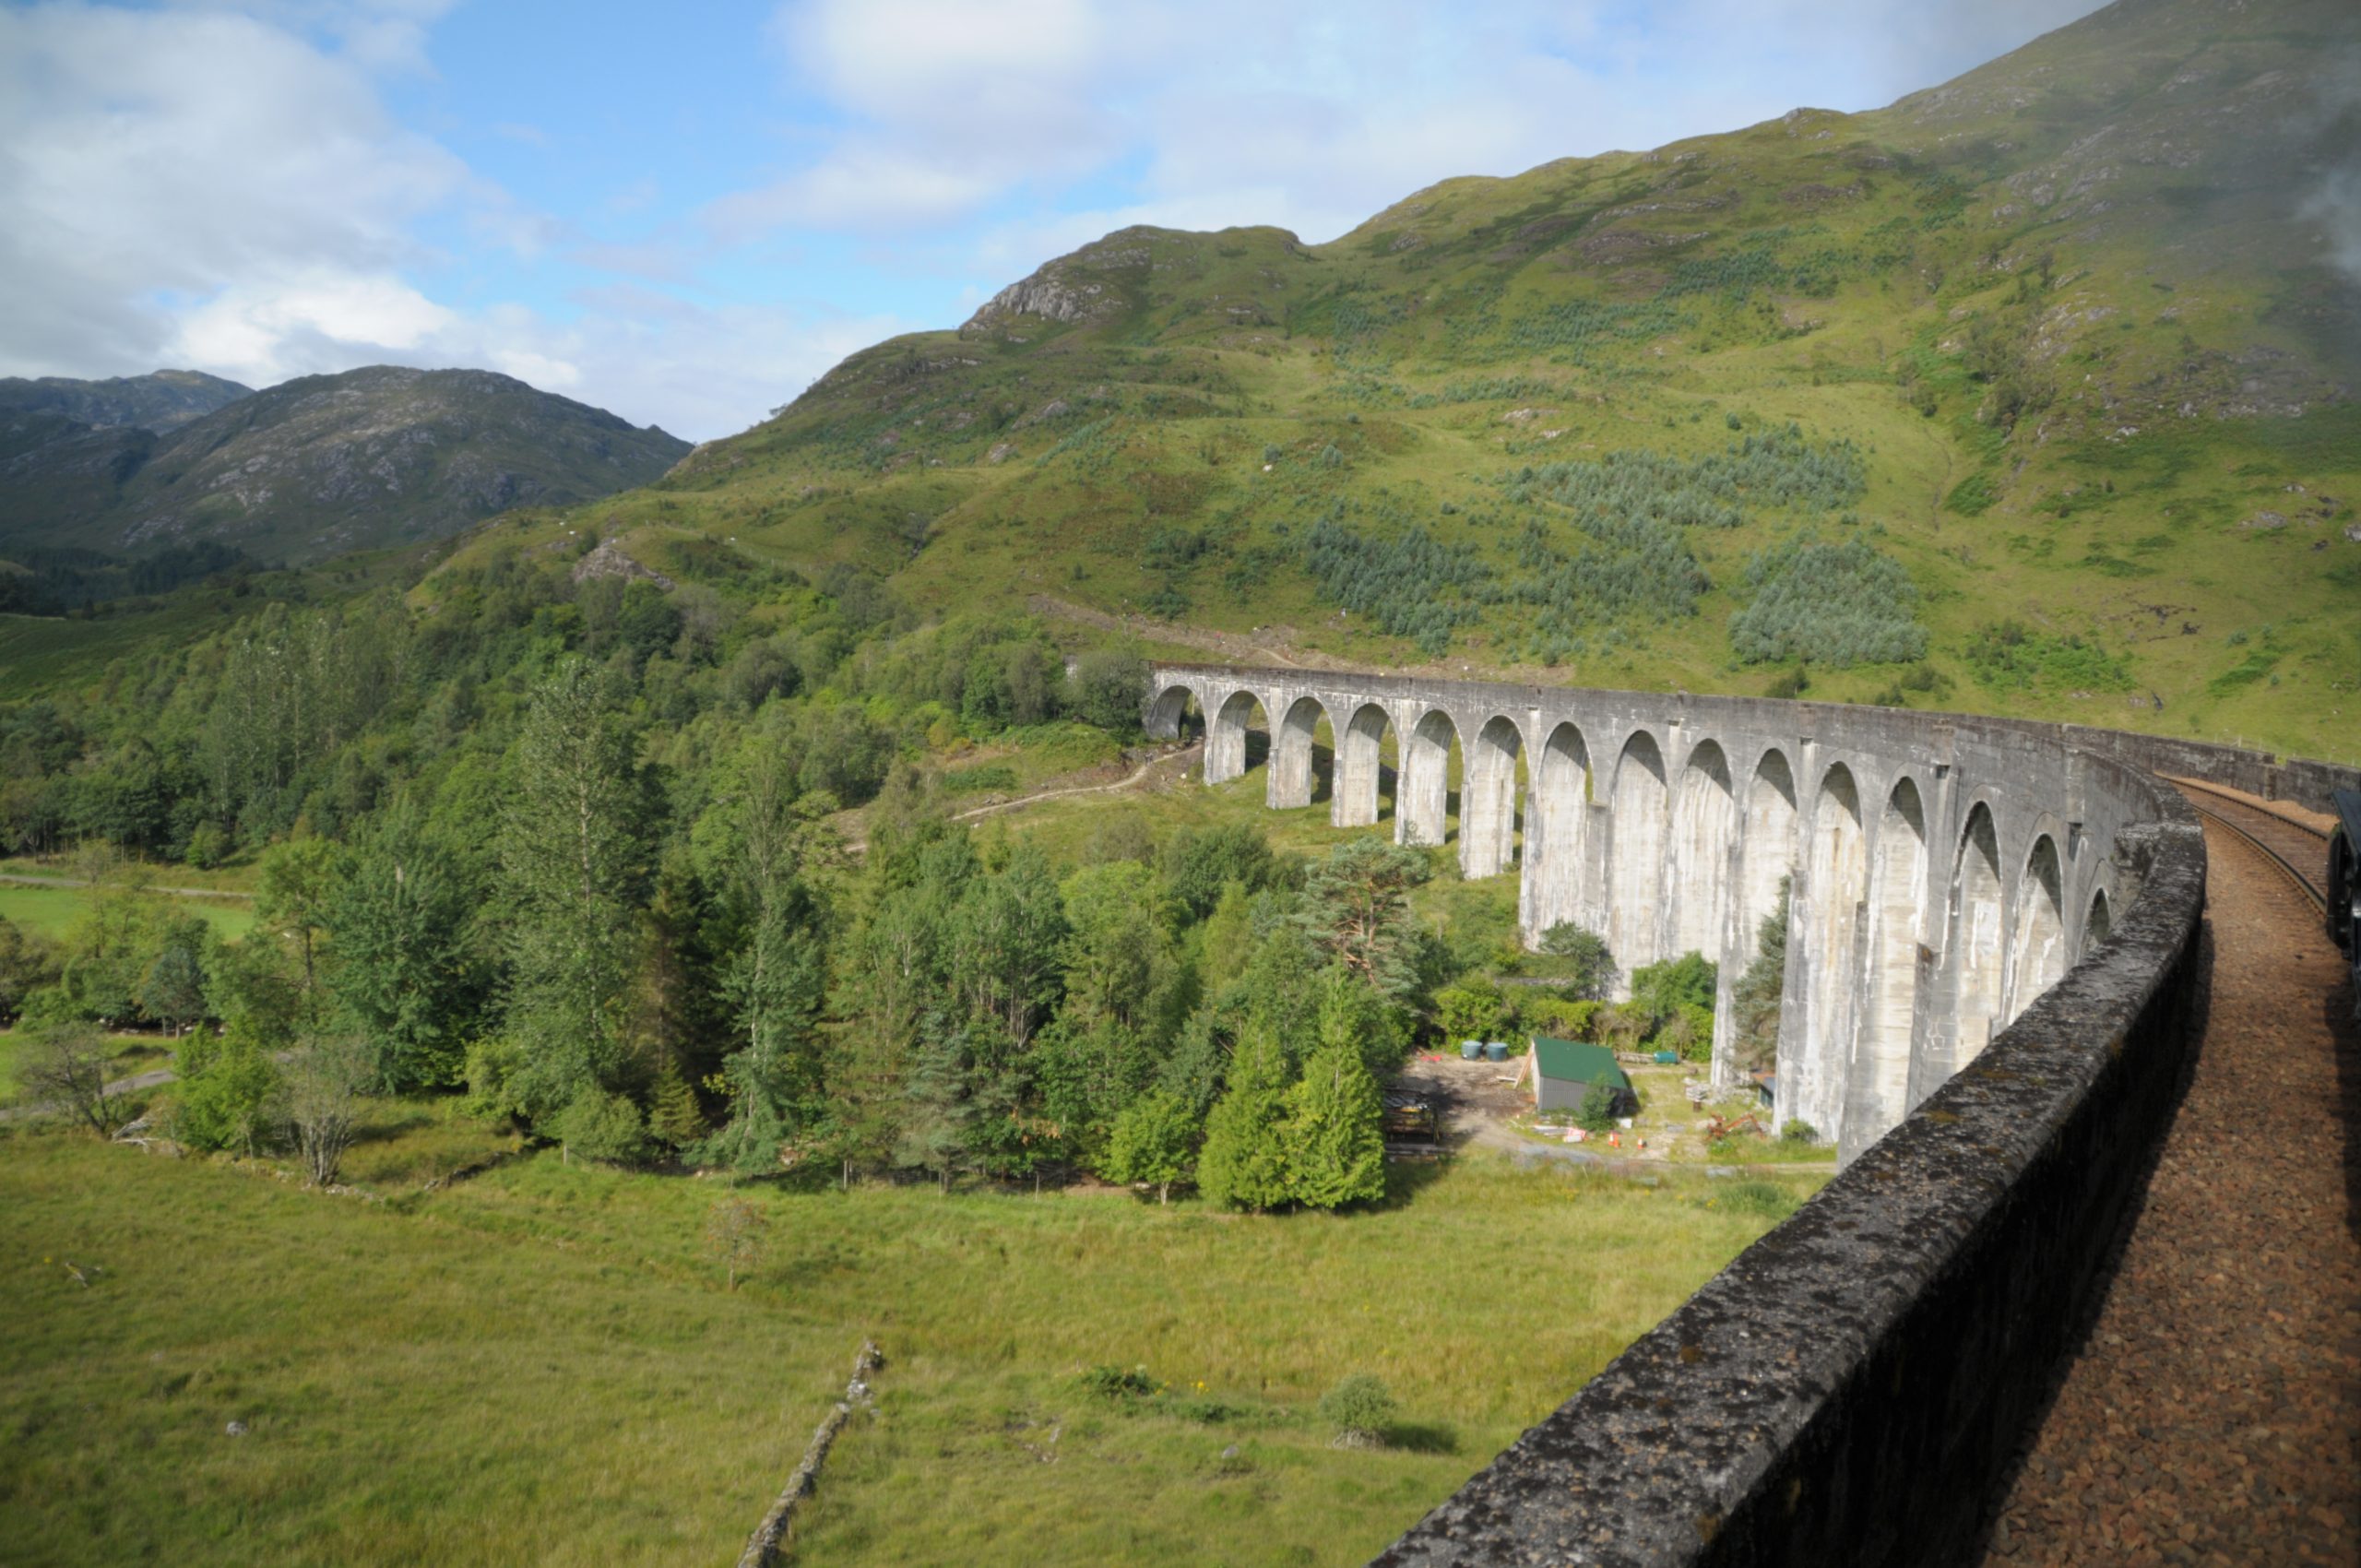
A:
{"x":1310,"y":115}
{"x":156,"y":157}
{"x":265,"y":331}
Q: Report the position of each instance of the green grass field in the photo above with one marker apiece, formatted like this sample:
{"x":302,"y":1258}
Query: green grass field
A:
{"x":52,"y":911}
{"x":542,"y":1365}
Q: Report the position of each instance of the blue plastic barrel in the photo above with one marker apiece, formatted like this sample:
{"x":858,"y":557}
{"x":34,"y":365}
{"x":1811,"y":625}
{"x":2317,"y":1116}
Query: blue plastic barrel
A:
{"x":1469,"y":1050}
{"x":1495,"y":1050}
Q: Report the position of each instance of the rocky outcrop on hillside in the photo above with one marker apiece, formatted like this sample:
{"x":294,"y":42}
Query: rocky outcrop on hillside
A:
{"x":325,"y":464}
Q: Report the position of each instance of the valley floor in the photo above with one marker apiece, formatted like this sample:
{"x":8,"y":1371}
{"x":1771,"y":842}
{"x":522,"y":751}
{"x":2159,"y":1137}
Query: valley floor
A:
{"x":542,"y":1364}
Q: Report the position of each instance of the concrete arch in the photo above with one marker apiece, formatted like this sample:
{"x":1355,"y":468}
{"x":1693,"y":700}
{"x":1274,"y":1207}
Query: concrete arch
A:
{"x":1836,"y":882}
{"x":1704,"y":824}
{"x":1360,"y":767}
{"x":2099,"y":923}
{"x":2038,"y":956}
{"x":1292,"y":748}
{"x":1168,"y":715}
{"x":1487,"y":799}
{"x":1879,"y":1084}
{"x":1229,"y":748}
{"x":1975,"y":957}
{"x":1422,"y":801}
{"x":1557,"y":813}
{"x":1767,"y":852}
{"x":1636,"y":829}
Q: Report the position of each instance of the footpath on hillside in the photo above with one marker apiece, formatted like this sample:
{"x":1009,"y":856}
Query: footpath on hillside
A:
{"x":2215,"y":1415}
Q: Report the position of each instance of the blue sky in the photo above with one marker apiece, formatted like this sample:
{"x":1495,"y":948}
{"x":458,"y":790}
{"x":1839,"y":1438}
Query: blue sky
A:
{"x":686,"y":215}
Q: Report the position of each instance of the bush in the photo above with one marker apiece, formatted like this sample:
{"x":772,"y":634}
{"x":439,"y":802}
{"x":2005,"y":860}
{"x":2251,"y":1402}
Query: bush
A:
{"x":1563,"y":1019}
{"x":1598,"y":1112}
{"x":1106,"y":689}
{"x":1468,"y":1012}
{"x":228,"y":1084}
{"x":1117,"y":1382}
{"x":1799,"y":1132}
{"x":1687,"y":981}
{"x":605,"y":1127}
{"x":1360,"y":1408}
{"x":1690,"y":1032}
{"x":208,"y":847}
{"x":1588,"y":955}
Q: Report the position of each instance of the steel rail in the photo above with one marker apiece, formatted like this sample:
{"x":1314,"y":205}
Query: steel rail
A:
{"x":2285,"y":867}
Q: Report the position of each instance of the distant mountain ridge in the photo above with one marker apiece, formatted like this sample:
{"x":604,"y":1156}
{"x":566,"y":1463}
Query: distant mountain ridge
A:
{"x":314,"y":467}
{"x":160,"y":401}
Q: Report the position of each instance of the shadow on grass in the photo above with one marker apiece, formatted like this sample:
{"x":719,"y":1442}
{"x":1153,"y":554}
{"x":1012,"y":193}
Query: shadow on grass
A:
{"x":1422,"y":1437}
{"x":1404,"y":1179}
{"x":383,"y":1129}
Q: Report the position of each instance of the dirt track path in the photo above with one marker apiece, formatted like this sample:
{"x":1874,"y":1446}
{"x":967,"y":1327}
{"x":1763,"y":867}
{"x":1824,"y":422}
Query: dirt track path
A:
{"x":1171,"y":765}
{"x":2214,"y":1416}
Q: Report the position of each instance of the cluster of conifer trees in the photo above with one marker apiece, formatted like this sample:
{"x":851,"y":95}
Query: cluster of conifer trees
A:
{"x":569,"y":849}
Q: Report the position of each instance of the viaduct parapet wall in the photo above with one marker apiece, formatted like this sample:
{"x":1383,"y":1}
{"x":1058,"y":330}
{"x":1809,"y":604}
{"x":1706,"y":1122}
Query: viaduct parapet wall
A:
{"x":1995,"y":971}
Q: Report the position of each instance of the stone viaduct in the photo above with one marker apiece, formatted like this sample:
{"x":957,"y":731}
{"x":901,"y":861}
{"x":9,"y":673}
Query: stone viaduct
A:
{"x":1941,"y":874}
{"x":1996,"y":967}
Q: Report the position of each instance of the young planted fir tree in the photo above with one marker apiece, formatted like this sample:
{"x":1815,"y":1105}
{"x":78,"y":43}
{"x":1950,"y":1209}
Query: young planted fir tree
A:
{"x":1245,"y":1161}
{"x":1336,"y":1125}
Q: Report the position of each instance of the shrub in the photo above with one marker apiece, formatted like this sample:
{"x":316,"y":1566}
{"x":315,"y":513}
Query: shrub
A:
{"x":1588,"y":955}
{"x":1755,"y":999}
{"x":1360,"y":1408}
{"x":1598,"y":1112}
{"x":208,"y":847}
{"x":228,"y":1086}
{"x":734,"y":1228}
{"x":1117,"y":1382}
{"x":1687,"y":981}
{"x":1690,"y":1032}
{"x":605,"y":1127}
{"x":1468,"y":1012}
{"x":1154,"y":1144}
{"x":1799,"y":1132}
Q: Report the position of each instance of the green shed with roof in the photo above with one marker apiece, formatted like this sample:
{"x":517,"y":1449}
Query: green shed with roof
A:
{"x":1564,"y":1070}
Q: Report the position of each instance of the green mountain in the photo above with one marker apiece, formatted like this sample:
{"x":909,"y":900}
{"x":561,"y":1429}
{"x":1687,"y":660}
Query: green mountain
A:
{"x":160,"y":401}
{"x":319,"y":466}
{"x":2031,"y":392}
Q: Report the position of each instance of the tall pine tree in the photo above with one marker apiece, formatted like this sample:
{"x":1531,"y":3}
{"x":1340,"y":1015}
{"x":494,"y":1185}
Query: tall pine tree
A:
{"x":572,"y":858}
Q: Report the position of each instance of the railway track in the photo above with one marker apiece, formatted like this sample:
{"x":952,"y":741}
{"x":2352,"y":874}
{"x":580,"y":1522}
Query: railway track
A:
{"x":2290,"y":845}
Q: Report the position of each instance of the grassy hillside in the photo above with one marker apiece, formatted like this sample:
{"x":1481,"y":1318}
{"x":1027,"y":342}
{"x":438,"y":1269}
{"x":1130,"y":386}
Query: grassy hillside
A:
{"x":2062,"y":340}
